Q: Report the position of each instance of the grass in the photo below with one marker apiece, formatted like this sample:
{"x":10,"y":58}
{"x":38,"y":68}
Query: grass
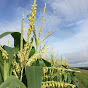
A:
{"x":82,"y":77}
{"x":86,"y":68}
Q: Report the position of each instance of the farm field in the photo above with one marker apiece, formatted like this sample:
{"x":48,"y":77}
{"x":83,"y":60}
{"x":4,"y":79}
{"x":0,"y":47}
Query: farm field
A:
{"x":86,"y":68}
{"x":26,"y":63}
{"x":82,"y":77}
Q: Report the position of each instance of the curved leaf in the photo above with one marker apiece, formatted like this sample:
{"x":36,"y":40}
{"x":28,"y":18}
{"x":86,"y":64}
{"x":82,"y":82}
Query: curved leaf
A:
{"x":16,"y":36}
{"x":4,"y":34}
{"x":12,"y":82}
{"x":41,"y":62}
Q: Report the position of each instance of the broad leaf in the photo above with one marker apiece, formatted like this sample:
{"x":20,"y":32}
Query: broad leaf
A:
{"x":41,"y":62}
{"x":12,"y":82}
{"x":34,"y":76}
{"x":16,"y":36}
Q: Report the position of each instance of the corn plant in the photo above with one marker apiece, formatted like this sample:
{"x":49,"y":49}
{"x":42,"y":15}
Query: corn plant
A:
{"x":15,"y":60}
{"x":59,"y":75}
{"x":23,"y":66}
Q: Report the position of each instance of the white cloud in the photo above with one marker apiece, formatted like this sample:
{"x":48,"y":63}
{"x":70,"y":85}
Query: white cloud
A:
{"x":75,"y":43}
{"x":50,"y":22}
{"x":75,"y":48}
{"x":69,"y":10}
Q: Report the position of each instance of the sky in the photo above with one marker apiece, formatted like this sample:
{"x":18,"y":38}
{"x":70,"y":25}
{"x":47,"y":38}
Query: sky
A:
{"x":69,"y":18}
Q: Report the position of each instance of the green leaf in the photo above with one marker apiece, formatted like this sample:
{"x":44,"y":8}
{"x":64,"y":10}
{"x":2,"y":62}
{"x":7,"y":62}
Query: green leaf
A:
{"x":65,"y":76}
{"x":9,"y":50}
{"x":24,"y":79}
{"x":69,"y":77}
{"x":37,"y":63}
{"x":34,"y":76}
{"x":4,"y":34}
{"x":16,"y":36}
{"x":12,"y":82}
{"x":1,"y":68}
{"x":1,"y":76}
{"x":41,"y":62}
{"x":32,"y":52}
{"x":1,"y":59}
{"x":48,"y":64}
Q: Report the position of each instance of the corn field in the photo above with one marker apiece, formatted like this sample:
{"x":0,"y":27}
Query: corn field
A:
{"x":23,"y":65}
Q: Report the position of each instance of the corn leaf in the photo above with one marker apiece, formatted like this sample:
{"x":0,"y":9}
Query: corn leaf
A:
{"x":9,"y":50}
{"x":16,"y":36}
{"x":32,"y":52}
{"x":1,"y":77}
{"x":1,"y":68}
{"x":48,"y":64}
{"x":4,"y":34}
{"x":34,"y":76}
{"x":12,"y":82}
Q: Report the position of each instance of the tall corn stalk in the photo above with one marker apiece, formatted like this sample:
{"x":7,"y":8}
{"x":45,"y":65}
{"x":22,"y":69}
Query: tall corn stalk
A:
{"x":52,"y":76}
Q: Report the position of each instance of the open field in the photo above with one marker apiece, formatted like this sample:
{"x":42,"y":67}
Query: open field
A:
{"x":86,"y":68}
{"x":82,"y":77}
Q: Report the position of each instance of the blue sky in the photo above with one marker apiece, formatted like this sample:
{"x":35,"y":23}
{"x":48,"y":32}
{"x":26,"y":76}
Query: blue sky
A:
{"x":68,"y":17}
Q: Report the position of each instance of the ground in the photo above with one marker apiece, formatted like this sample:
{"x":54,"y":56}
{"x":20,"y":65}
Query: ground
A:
{"x":82,"y":77}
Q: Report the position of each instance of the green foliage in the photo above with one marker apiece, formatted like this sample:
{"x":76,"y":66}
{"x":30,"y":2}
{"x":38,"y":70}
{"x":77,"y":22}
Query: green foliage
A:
{"x":10,"y":52}
{"x":48,"y":64}
{"x":12,"y":82}
{"x":32,"y":52}
{"x":66,"y":77}
{"x":28,"y":62}
{"x":34,"y":76}
{"x":1,"y":68}
{"x":82,"y":77}
{"x":1,"y":77}
{"x":86,"y":68}
{"x":4,"y":34}
{"x":17,"y":36}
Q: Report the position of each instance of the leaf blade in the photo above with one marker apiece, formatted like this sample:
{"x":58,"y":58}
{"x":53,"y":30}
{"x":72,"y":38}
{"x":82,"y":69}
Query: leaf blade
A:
{"x":34,"y":76}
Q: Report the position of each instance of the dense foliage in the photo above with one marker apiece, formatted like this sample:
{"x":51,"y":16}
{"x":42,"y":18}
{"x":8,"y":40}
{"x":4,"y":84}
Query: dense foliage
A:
{"x":23,"y":66}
